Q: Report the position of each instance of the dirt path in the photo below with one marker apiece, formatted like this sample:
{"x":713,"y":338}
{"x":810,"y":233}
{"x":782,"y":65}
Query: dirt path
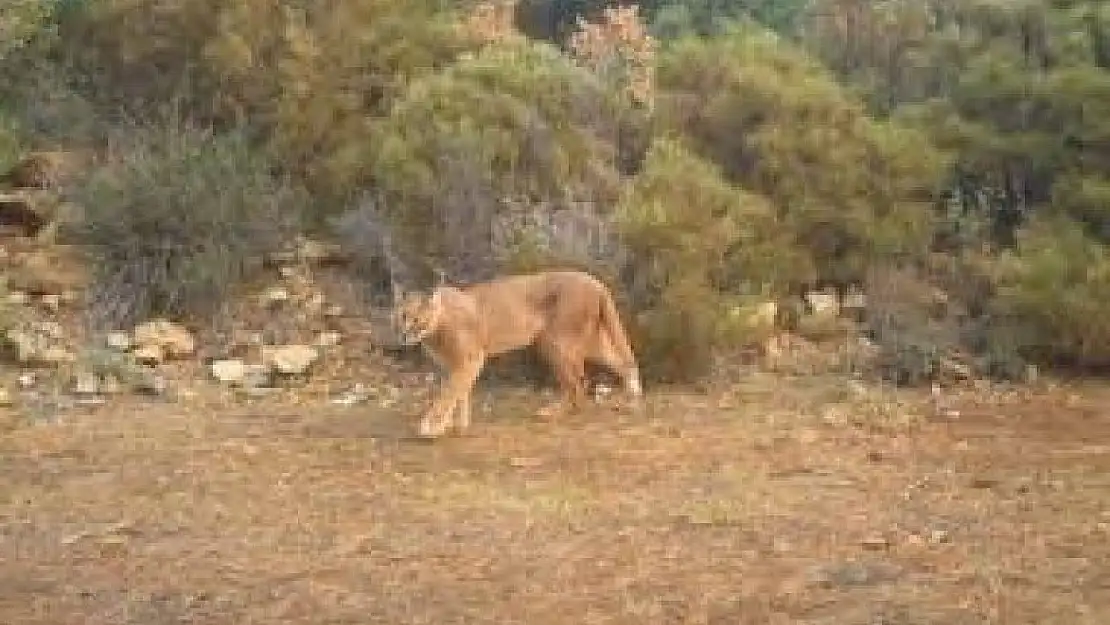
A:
{"x":771,"y":505}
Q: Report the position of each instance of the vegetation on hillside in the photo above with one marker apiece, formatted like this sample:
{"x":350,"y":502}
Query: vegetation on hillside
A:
{"x":700,"y":154}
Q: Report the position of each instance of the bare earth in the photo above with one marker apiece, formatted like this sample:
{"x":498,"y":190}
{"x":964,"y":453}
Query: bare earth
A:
{"x":780,"y":501}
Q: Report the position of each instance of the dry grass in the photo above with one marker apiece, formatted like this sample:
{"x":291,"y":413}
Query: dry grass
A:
{"x":760,"y":505}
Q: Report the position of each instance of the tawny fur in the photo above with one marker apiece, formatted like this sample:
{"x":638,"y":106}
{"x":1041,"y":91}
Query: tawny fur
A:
{"x":569,"y":315}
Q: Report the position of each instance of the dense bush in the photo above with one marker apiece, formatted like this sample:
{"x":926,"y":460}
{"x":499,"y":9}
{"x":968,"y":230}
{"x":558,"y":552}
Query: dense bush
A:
{"x":697,"y":249}
{"x":1087,"y":200}
{"x":220,"y":58}
{"x":1057,"y":285}
{"x":853,"y":191}
{"x":176,"y":220}
{"x":508,"y":153}
{"x":303,"y":77}
{"x":20,"y":21}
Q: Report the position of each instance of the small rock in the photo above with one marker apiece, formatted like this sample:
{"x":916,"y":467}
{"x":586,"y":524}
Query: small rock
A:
{"x":938,"y":537}
{"x":602,"y":390}
{"x":232,"y":371}
{"x":86,"y":383}
{"x":275,"y":296}
{"x":309,"y":250}
{"x":956,"y":369}
{"x":327,"y":339}
{"x":356,"y":395}
{"x":854,"y":300}
{"x":51,"y":302}
{"x":823,"y":303}
{"x":27,"y":379}
{"x":235,"y":372}
{"x":150,"y":355}
{"x":758,"y":315}
{"x":73,"y":538}
{"x":54,"y":356}
{"x":290,"y":359}
{"x":174,"y":339}
{"x":286,"y":272}
{"x":315,"y":252}
{"x":119,"y":341}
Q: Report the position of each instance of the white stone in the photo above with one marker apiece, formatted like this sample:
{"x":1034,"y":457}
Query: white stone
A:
{"x":290,"y":359}
{"x":232,"y":371}
{"x":150,"y":355}
{"x":175,"y":340}
{"x":86,"y":383}
{"x":120,"y":341}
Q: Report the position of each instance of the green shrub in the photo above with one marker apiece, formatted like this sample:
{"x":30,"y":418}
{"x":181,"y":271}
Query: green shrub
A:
{"x":1056,"y":286}
{"x":1087,"y":200}
{"x":306,"y":76}
{"x":178,"y":219}
{"x":483,"y":164}
{"x":20,"y":21}
{"x":854,"y":192}
{"x":9,"y":142}
{"x":698,"y":250}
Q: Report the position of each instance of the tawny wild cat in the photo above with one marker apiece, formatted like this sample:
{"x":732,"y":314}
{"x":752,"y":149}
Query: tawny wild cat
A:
{"x":569,"y":315}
